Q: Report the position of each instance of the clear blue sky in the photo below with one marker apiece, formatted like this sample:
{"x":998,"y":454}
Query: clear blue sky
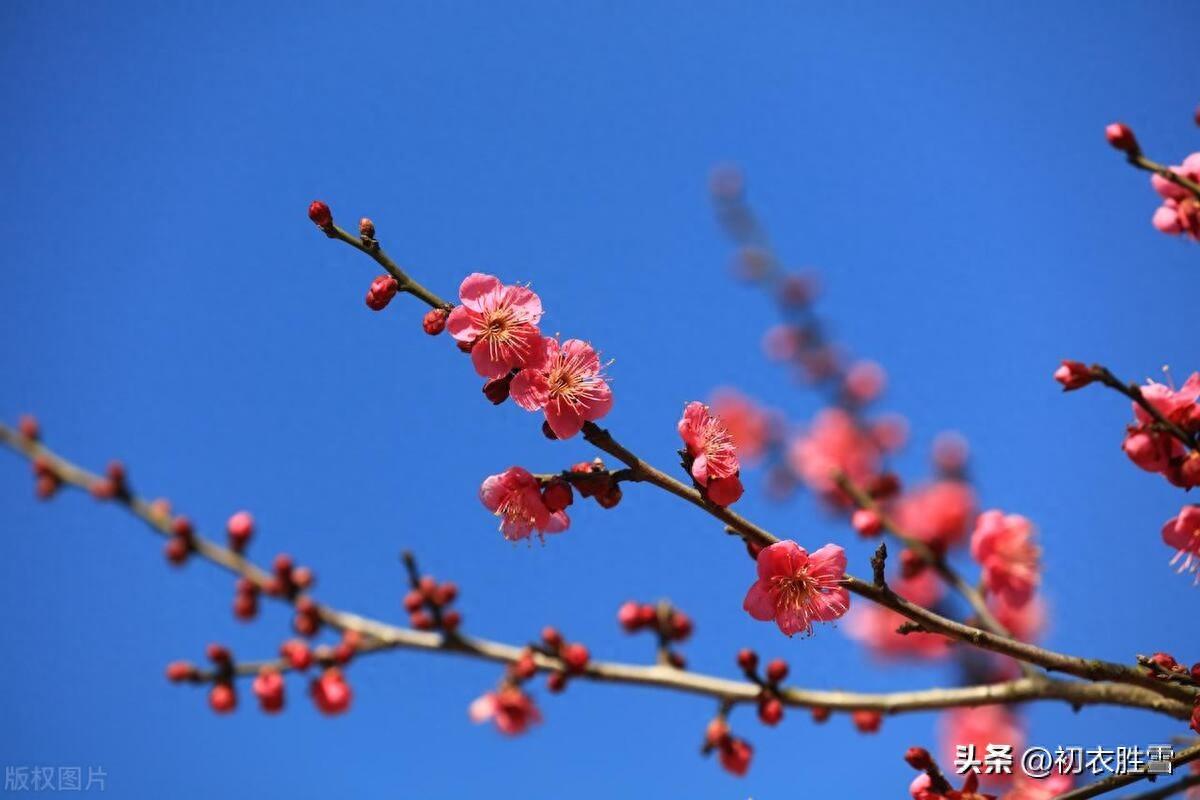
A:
{"x":167,"y":302}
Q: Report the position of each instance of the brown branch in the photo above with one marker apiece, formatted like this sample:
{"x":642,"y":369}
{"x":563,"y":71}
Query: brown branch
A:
{"x":1118,"y":781}
{"x":936,"y":560}
{"x":1090,"y":669}
{"x":1171,"y":789}
{"x":379,"y":636}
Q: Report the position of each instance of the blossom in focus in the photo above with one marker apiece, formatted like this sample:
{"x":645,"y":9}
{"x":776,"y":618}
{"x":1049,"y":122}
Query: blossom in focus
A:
{"x":834,"y":442}
{"x":714,"y":464}
{"x":1180,"y":209}
{"x":1003,"y":545}
{"x":499,"y":323}
{"x":939,"y":514}
{"x":795,"y":588}
{"x":1156,"y":450}
{"x":516,"y":498}
{"x":751,"y":426}
{"x":567,"y":385}
{"x":1182,"y":534}
{"x":509,"y":708}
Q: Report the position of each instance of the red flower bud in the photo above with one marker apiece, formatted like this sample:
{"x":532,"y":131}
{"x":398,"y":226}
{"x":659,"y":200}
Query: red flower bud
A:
{"x":629,"y":617}
{"x":867,"y":721}
{"x":218,"y":653}
{"x":330,"y":693}
{"x":1073,"y":375}
{"x":182,"y":528}
{"x":496,"y":390}
{"x":297,"y":653}
{"x":222,"y":698}
{"x":245,"y":606}
{"x":676,"y":660}
{"x":177,"y":550}
{"x":434,"y":321}
{"x":717,"y":732}
{"x":303,"y":577}
{"x":413,"y":601}
{"x":366,"y":228}
{"x":320,"y":214}
{"x":421,"y":621}
{"x":451,"y":620}
{"x":180,"y":671}
{"x":747,"y":659}
{"x":770,"y":710}
{"x":610,"y":497}
{"x":268,"y":688}
{"x":681,"y":626}
{"x":820,"y":714}
{"x":382,"y":290}
{"x":575,"y":656}
{"x":29,"y":428}
{"x":1121,"y":138}
{"x":524,"y":667}
{"x":240,"y":528}
{"x":867,"y":522}
{"x":552,"y":637}
{"x":556,"y":681}
{"x":918,"y":758}
{"x":446,"y":593}
{"x":777,"y":670}
{"x":557,"y":494}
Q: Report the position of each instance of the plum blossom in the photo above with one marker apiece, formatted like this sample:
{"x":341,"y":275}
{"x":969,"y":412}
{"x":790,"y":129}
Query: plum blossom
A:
{"x":509,"y":708}
{"x":567,"y":385}
{"x":796,"y":589}
{"x":499,"y":323}
{"x":939,"y":514}
{"x":980,"y":726}
{"x":714,"y":460}
{"x":1182,"y":534}
{"x":515,"y":496}
{"x":1003,"y":546}
{"x":752,"y":427}
{"x":1156,"y":450}
{"x":834,"y":442}
{"x":875,"y":626}
{"x":1180,"y":209}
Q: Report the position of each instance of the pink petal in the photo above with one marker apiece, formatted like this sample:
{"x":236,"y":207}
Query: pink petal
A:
{"x":829,"y":606}
{"x":784,"y":558}
{"x":700,"y":469}
{"x":530,"y":349}
{"x":529,"y":389}
{"x":1168,"y":189}
{"x":525,"y":300}
{"x":463,"y":324}
{"x":483,"y":708}
{"x":599,"y":403}
{"x":558,"y":522}
{"x":1166,"y":220}
{"x":564,"y":420}
{"x":476,"y":287}
{"x":759,"y":603}
{"x":492,"y":492}
{"x":827,"y":563}
{"x":485,"y":365}
{"x":793,"y":620}
{"x":724,"y":491}
{"x":582,"y":354}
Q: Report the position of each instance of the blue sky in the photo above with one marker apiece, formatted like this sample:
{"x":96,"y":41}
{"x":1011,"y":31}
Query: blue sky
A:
{"x":168,"y":303}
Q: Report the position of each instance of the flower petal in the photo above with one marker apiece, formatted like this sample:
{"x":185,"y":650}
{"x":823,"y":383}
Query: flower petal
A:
{"x":759,"y":603}
{"x":476,"y":288}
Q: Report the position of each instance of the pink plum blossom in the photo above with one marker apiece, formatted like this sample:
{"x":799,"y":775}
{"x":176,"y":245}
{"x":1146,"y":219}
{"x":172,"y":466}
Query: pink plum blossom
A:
{"x":1182,"y":534}
{"x":752,"y":427}
{"x":980,"y":726}
{"x":1180,"y":209}
{"x":875,"y":626}
{"x":714,"y":460}
{"x":834,"y":442}
{"x":499,"y":323}
{"x":568,"y":386}
{"x":795,"y":588}
{"x":515,"y":497}
{"x":509,"y":708}
{"x":939,"y":514}
{"x":1003,"y":546}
